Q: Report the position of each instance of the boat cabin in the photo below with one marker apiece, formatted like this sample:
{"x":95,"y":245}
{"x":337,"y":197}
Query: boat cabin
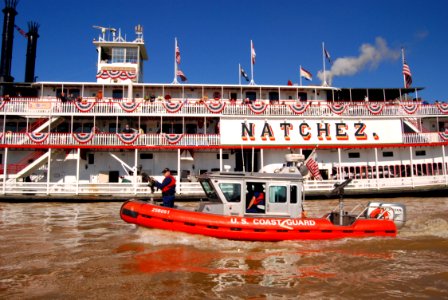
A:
{"x":252,"y":194}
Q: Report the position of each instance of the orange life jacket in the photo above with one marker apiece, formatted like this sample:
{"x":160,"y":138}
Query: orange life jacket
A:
{"x":169,"y":186}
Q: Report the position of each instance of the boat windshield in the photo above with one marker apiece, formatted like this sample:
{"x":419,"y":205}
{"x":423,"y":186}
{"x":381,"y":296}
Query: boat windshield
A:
{"x":208,"y":189}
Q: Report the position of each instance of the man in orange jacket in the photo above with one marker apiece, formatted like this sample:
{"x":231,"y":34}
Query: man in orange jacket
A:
{"x":168,"y":187}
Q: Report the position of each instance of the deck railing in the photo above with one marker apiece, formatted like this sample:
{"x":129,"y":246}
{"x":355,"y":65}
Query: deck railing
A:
{"x":69,"y":140}
{"x":194,"y":190}
{"x":51,"y":106}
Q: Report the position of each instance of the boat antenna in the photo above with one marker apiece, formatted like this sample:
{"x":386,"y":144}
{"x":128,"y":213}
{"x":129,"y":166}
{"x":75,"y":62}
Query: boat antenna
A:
{"x":339,"y":190}
{"x":252,"y":161}
{"x":242,"y":156}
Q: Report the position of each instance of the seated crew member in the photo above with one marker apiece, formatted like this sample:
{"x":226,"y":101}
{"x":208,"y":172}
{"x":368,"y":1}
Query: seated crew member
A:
{"x":168,"y":187}
{"x":257,"y":203}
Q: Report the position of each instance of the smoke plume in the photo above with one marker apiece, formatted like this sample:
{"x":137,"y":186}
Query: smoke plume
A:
{"x":370,"y":56}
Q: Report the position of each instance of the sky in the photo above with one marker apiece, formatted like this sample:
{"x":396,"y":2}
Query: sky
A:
{"x":364,"y":39}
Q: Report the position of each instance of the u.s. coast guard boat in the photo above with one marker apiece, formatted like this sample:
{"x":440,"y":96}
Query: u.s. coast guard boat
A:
{"x":279,"y":215}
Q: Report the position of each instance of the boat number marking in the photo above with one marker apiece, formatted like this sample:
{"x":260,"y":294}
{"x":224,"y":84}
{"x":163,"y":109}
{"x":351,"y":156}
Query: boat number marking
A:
{"x":160,"y":211}
{"x":273,"y":222}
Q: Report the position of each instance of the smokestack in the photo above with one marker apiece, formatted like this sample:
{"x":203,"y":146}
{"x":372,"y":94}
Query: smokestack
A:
{"x":7,"y":39}
{"x":31,"y":48}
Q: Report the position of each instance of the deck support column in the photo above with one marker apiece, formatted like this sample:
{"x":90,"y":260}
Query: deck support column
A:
{"x":412,"y":166}
{"x":178,"y":171}
{"x":5,"y":170}
{"x":135,"y":171}
{"x":376,"y":169}
{"x":220,"y":159}
{"x":78,"y":161}
{"x":444,"y":164}
{"x":48,"y":171}
{"x":262,"y":157}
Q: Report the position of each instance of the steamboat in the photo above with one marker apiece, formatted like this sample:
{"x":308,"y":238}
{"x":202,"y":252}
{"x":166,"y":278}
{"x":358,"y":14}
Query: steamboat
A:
{"x":95,"y":140}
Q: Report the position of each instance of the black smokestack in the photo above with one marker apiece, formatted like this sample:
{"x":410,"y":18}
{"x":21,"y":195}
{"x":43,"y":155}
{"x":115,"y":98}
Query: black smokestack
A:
{"x":33,"y":34}
{"x":7,"y":39}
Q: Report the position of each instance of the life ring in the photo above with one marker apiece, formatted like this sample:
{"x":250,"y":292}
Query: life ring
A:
{"x":381,"y":213}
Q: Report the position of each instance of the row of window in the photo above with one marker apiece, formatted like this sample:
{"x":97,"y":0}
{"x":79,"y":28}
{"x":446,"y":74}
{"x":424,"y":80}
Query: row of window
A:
{"x":385,"y":154}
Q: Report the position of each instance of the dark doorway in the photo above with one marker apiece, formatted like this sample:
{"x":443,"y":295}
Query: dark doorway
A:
{"x":113,"y":176}
{"x":246,"y":155}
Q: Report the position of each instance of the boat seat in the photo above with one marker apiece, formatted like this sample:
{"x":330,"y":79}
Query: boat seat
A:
{"x":347,"y":220}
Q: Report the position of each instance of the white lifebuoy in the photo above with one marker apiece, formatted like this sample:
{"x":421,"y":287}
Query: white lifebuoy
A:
{"x":382,"y":213}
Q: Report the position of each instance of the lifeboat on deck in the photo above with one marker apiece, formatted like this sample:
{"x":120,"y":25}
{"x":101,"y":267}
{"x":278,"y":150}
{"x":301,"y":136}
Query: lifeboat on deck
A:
{"x":279,"y":215}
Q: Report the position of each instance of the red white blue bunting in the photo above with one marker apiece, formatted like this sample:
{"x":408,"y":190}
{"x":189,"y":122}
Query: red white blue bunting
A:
{"x":2,"y":104}
{"x":173,"y":107}
{"x":1,"y":137}
{"x":129,"y":106}
{"x":444,"y":135}
{"x":337,"y":107}
{"x":83,"y":138}
{"x":84,"y":106}
{"x":443,"y":107}
{"x":215,"y":107}
{"x":258,"y":107}
{"x":173,"y":138}
{"x":299,"y":108}
{"x":128,"y":138}
{"x":375,"y":108}
{"x":114,"y":74}
{"x":37,"y":137}
{"x":410,"y":107}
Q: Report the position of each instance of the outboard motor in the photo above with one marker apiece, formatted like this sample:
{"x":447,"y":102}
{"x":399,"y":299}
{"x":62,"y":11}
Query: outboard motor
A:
{"x":387,"y":211}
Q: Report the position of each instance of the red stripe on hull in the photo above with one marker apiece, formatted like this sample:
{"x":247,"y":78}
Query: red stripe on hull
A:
{"x":250,"y":228}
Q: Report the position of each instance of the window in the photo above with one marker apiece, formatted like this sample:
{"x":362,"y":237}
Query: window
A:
{"x":277,"y":194}
{"x":91,"y":159}
{"x":273,"y":96}
{"x":302,"y":96}
{"x":146,"y":156}
{"x":293,"y":194}
{"x":117,"y":94}
{"x":420,"y":153}
{"x":388,"y":154}
{"x":224,"y":156}
{"x":118,"y":55}
{"x":251,"y":95}
{"x":354,"y":155}
{"x":131,"y":55}
{"x":232,"y":191}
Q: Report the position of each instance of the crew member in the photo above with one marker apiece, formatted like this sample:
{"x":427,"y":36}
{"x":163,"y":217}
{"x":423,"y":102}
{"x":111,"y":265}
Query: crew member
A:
{"x":256,"y":204}
{"x":168,"y":187}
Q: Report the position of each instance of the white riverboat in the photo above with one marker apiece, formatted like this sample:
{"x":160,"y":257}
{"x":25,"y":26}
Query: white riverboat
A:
{"x":94,"y":140}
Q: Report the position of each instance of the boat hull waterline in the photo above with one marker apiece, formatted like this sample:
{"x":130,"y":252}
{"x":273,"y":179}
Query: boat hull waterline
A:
{"x":250,"y":228}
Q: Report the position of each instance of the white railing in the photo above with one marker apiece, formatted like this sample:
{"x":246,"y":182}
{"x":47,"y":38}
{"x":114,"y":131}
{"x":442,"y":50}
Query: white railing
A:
{"x":194,"y":190}
{"x":51,"y":106}
{"x":108,"y":139}
{"x":153,"y":139}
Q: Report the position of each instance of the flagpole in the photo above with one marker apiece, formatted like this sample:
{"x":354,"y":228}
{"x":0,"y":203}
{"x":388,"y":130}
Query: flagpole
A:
{"x":175,"y":62}
{"x":300,"y":75}
{"x":252,"y":82}
{"x":239,"y":74}
{"x":323,"y":62}
{"x":402,"y":62}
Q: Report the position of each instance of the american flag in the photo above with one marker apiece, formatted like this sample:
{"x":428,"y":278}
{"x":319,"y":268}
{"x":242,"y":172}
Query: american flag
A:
{"x":312,"y":165}
{"x":181,"y":75}
{"x":407,"y":75}
{"x":253,"y":54}
{"x":177,"y":54}
{"x":21,"y":31}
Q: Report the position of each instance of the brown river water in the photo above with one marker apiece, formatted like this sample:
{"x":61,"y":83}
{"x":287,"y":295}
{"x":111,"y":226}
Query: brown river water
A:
{"x":85,"y":251}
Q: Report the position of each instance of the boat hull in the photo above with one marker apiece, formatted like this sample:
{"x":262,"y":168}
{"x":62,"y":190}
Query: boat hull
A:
{"x":250,"y":228}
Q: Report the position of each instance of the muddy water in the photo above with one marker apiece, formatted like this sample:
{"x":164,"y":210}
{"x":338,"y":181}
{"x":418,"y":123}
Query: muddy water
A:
{"x":84,"y":250}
